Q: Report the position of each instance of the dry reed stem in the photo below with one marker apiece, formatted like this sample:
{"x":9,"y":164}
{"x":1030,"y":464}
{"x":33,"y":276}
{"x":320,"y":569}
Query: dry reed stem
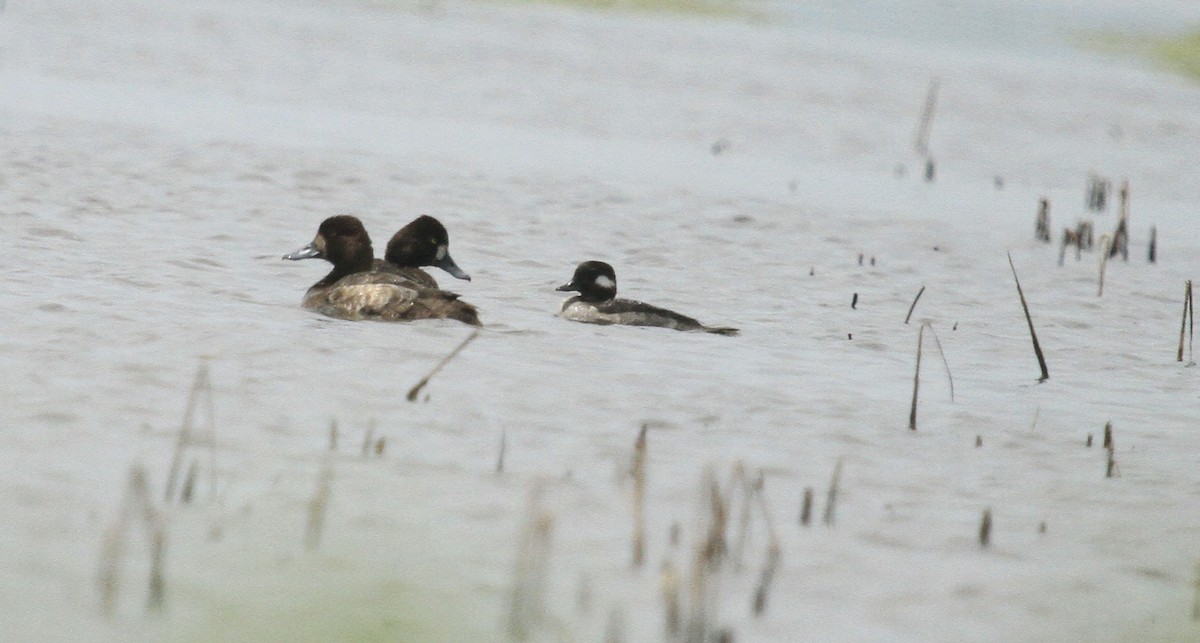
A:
{"x":135,"y":501}
{"x":668,"y":585}
{"x":1106,"y":243}
{"x":703,"y":585}
{"x":1120,"y":237}
{"x":333,"y":436}
{"x":318,"y":506}
{"x":1152,"y":252}
{"x":1037,"y":348}
{"x":914,"y":304}
{"x":503,"y":448}
{"x":639,"y":499}
{"x":189,"y":484}
{"x":416,"y":389}
{"x":806,"y":504}
{"x":912,"y":414}
{"x":368,"y":441}
{"x":614,"y":627}
{"x":921,"y":141}
{"x":1110,"y":468}
{"x":1108,"y":436}
{"x":527,"y":600}
{"x":774,"y":553}
{"x":1042,"y":229}
{"x":1183,"y":324}
{"x":831,"y":497}
{"x":201,"y":388}
{"x":766,"y":578}
{"x":985,"y":529}
{"x":739,"y":481}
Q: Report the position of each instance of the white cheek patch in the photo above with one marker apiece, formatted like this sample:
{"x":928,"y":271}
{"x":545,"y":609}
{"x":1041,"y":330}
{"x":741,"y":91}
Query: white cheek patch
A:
{"x":604,"y":282}
{"x":441,"y":253}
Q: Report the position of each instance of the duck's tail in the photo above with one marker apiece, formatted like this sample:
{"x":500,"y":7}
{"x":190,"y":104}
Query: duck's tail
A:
{"x":720,"y":330}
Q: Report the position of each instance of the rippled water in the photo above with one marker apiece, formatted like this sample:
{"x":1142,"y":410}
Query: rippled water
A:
{"x":158,"y":160}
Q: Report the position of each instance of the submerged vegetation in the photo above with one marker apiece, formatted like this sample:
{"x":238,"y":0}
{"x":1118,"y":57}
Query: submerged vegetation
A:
{"x":1179,"y":52}
{"x":714,"y":8}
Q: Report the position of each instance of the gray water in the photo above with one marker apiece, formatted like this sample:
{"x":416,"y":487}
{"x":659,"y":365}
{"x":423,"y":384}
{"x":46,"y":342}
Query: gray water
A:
{"x":159,"y":159}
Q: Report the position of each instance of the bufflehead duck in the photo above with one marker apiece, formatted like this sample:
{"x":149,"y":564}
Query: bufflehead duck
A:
{"x":423,"y":242}
{"x":355,"y":290}
{"x":597,"y":303}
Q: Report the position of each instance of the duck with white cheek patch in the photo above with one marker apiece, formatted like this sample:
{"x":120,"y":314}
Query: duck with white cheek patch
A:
{"x":597,"y":303}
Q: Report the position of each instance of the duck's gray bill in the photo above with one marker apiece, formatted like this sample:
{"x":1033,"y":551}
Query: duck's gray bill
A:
{"x":447,"y":264}
{"x":307,"y":252}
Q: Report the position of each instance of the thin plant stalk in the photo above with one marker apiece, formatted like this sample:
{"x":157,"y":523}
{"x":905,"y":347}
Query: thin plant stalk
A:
{"x":914,"y":304}
{"x":1037,"y":348}
{"x":201,"y":388}
{"x":912,"y":415}
{"x":318,"y":506}
{"x":639,"y":499}
{"x":831,"y":497}
{"x":416,"y":389}
{"x":1183,"y":324}
{"x":921,"y":142}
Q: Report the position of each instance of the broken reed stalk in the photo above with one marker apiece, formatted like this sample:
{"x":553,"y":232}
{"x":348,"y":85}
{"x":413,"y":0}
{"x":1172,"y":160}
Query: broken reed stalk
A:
{"x":914,"y":304}
{"x":668,"y":584}
{"x":201,"y":387}
{"x":767,"y":576}
{"x":1110,"y":447}
{"x":318,"y":506}
{"x":1037,"y":348}
{"x":189,"y":484}
{"x":136,"y":500}
{"x":921,"y":142}
{"x":333,"y":435}
{"x":500,"y":456}
{"x":1183,"y":324}
{"x":416,"y":389}
{"x":368,"y":441}
{"x":1120,"y":238}
{"x":740,"y":481}
{"x":614,"y":627}
{"x":806,"y":504}
{"x":639,"y":499}
{"x":985,"y":529}
{"x":1152,"y":253}
{"x":912,"y":415}
{"x":1042,"y":229}
{"x":527,"y":601}
{"x":831,"y":497}
{"x":701,"y":610}
{"x":1105,"y":244}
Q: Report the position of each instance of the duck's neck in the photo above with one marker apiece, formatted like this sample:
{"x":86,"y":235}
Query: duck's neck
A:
{"x":363,"y":260}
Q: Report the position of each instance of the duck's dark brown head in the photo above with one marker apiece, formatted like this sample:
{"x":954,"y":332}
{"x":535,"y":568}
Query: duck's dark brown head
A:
{"x":342,"y":241}
{"x":423,"y":242}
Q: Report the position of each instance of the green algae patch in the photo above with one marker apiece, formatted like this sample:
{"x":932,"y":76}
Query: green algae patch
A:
{"x":1178,"y":53}
{"x":313,"y":604}
{"x":710,"y":8}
